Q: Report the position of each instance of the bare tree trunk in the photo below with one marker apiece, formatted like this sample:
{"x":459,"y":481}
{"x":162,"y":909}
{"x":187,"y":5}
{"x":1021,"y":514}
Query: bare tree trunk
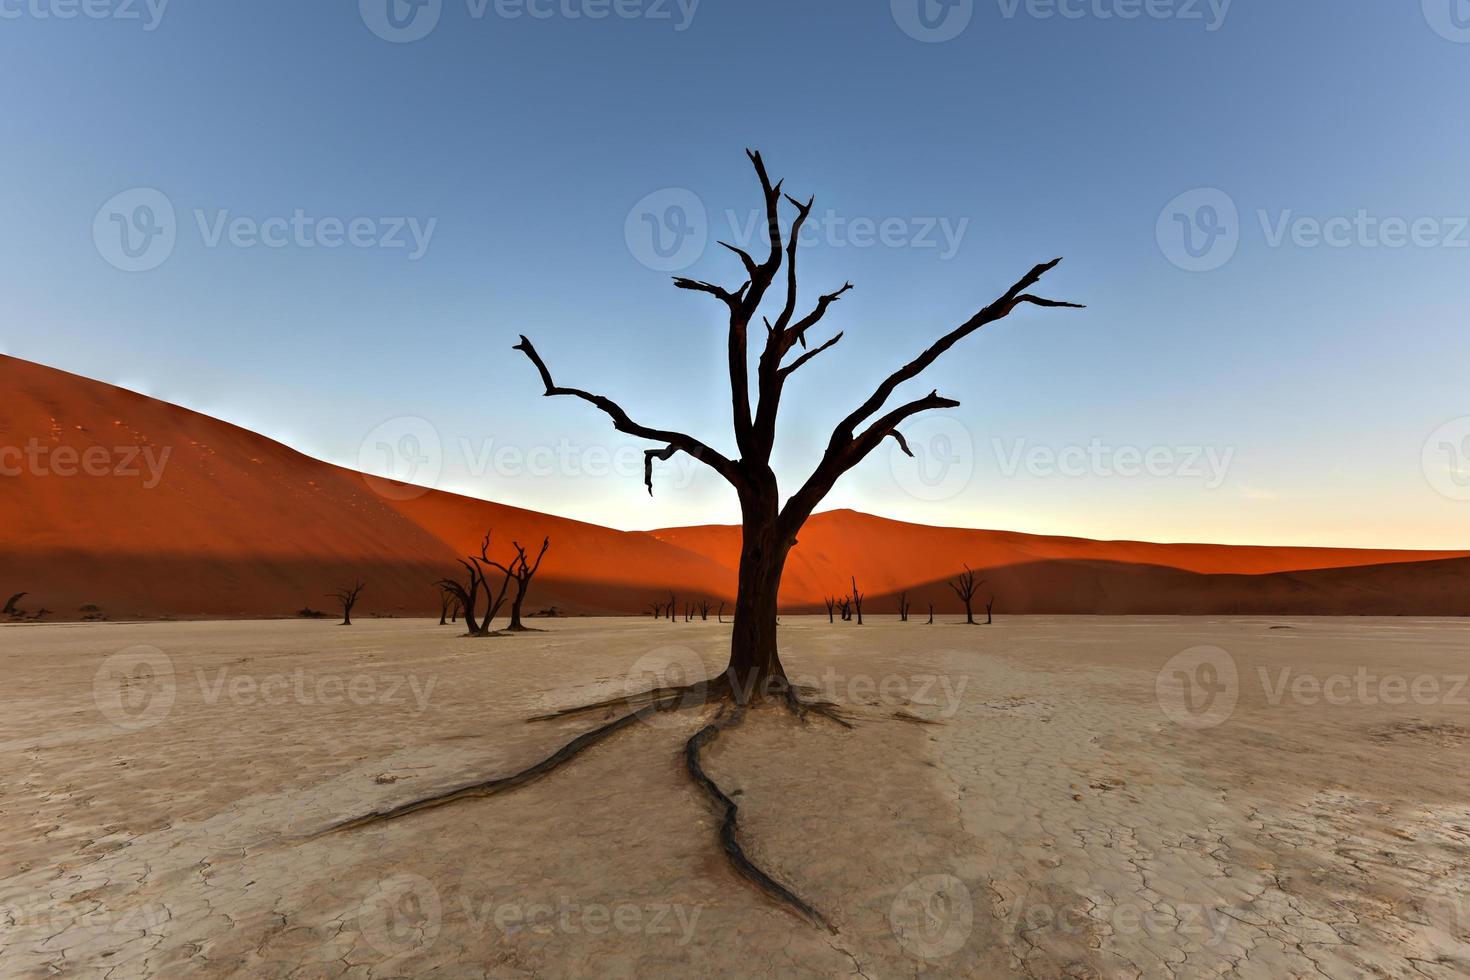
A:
{"x":755,"y":663}
{"x":989,"y":606}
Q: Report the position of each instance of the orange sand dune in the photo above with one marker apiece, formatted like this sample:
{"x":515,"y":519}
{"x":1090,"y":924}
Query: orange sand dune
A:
{"x":146,"y":509}
{"x":890,"y":556}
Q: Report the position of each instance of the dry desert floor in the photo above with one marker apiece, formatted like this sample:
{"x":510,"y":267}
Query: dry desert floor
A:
{"x":1044,"y":797}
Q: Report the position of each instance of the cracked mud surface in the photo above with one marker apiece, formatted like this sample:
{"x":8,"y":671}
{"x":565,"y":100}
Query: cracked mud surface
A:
{"x":1055,"y":822}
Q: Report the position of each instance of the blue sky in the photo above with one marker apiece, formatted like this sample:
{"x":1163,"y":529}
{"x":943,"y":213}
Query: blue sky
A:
{"x":1300,"y":380}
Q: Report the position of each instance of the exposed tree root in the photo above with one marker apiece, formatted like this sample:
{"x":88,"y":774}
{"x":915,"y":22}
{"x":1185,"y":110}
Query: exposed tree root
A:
{"x":914,"y":719}
{"x":688,"y":696}
{"x":705,"y":692}
{"x":652,"y":702}
{"x":490,"y":787}
{"x":729,"y":838}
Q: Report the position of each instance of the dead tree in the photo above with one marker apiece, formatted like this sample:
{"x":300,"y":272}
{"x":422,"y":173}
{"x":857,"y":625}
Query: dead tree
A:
{"x":446,"y":599}
{"x":348,"y":598}
{"x":658,"y":609}
{"x":673,"y":607}
{"x":722,"y":612}
{"x":704,"y":606}
{"x":476,"y":581}
{"x":831,"y":605}
{"x":857,"y":601}
{"x":931,"y":615}
{"x":844,"y":607}
{"x":964,"y":586}
{"x":769,"y":527}
{"x":522,"y":571}
{"x":989,"y":606}
{"x":10,"y":609}
{"x":903,"y":607}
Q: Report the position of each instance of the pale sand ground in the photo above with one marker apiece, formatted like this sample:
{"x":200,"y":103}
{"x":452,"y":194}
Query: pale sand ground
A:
{"x":1056,"y":822}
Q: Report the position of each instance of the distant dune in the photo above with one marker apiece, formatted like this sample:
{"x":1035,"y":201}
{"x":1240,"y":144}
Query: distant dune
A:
{"x":236,"y":525}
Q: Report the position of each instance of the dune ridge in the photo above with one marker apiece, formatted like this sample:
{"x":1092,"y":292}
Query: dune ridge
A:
{"x":236,"y":525}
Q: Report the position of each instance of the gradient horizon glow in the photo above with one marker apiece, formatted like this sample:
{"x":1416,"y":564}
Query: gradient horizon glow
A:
{"x":1263,"y":205}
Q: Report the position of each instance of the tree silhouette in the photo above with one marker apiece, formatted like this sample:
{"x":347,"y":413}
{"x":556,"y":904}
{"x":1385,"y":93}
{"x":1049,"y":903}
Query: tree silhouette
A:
{"x":857,"y":601}
{"x":769,"y":526}
{"x":476,"y":581}
{"x":348,"y":598}
{"x":522,"y":571}
{"x":903,"y":607}
{"x":964,"y":586}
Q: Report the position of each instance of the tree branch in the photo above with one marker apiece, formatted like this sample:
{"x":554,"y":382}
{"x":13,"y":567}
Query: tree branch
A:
{"x":998,"y":310}
{"x":674,"y":441}
{"x":790,"y":369}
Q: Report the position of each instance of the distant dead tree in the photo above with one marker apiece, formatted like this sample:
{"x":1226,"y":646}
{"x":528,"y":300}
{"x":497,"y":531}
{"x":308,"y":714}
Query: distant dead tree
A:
{"x":844,"y":607}
{"x":10,"y":609}
{"x":722,"y":612}
{"x":673,"y":608}
{"x":903,"y":607}
{"x":770,"y":519}
{"x":831,"y":602}
{"x":657,"y":609}
{"x":989,"y":606}
{"x":931,"y":615}
{"x":348,"y":598}
{"x":857,"y":601}
{"x":704,"y":607}
{"x":477,"y":581}
{"x":964,"y":586}
{"x":446,"y":600}
{"x":522,"y":571}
